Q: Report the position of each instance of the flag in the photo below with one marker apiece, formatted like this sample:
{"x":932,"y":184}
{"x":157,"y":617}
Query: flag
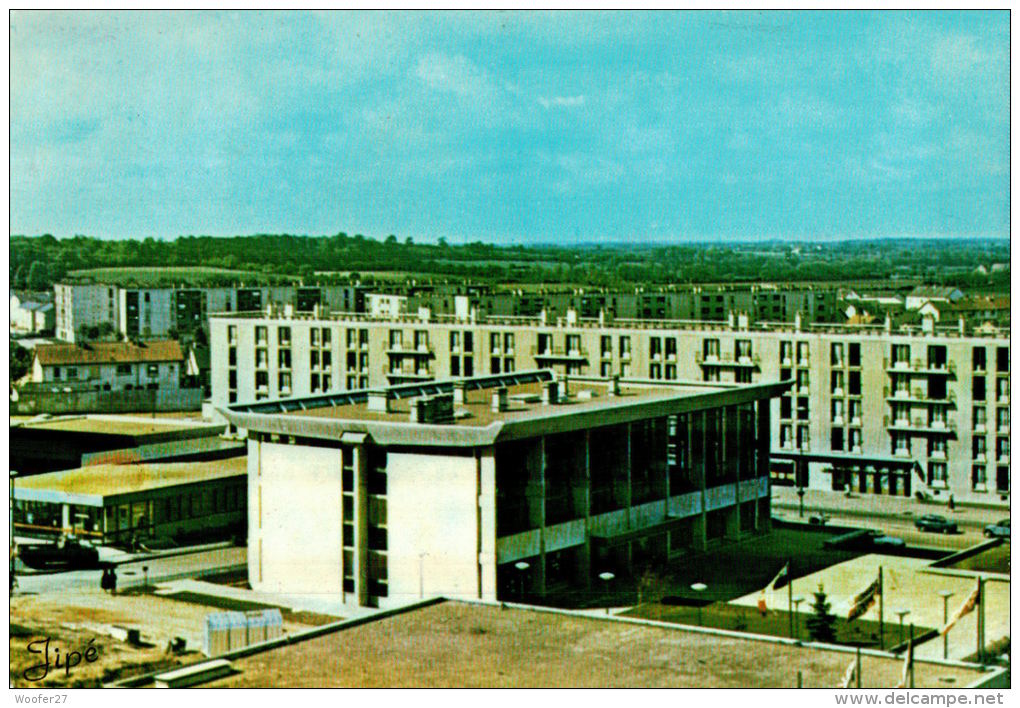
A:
{"x":848,"y":677}
{"x":762,"y":606}
{"x":864,"y":600}
{"x":966,"y":608}
{"x":908,"y":664}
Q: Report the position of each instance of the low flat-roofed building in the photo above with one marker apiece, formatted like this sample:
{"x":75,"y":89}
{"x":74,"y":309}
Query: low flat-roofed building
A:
{"x":505,"y":486}
{"x":45,"y":444}
{"x":457,"y":644}
{"x":112,"y":504}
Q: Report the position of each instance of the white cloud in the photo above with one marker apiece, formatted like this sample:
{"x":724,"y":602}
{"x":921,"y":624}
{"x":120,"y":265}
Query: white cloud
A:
{"x":561,"y":101}
{"x":454,"y":74}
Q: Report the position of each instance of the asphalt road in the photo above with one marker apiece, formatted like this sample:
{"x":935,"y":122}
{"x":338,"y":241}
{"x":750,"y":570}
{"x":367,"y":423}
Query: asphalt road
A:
{"x":899,"y":527}
{"x":130,"y":573}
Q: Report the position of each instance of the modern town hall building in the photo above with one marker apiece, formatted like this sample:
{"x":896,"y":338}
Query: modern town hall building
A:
{"x":525,"y":484}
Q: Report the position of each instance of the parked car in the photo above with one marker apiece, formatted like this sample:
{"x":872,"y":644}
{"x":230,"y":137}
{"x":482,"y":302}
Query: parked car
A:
{"x":935,"y":523}
{"x":998,"y":530}
{"x":880,"y":539}
{"x":66,"y":553}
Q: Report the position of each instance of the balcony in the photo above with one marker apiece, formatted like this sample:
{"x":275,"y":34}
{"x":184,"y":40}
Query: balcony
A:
{"x":920,"y":368}
{"x":559,"y":354}
{"x":837,"y":420}
{"x":937,"y":455}
{"x":751,"y":362}
{"x":901,"y":452}
{"x":399,"y":351}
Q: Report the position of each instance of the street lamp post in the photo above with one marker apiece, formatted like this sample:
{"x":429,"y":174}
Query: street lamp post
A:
{"x":699,"y":588}
{"x":800,"y":494}
{"x":522,"y":567}
{"x":796,"y":616}
{"x":945,"y":594}
{"x":901,"y":614}
{"x":145,"y":577}
{"x":607,"y":577}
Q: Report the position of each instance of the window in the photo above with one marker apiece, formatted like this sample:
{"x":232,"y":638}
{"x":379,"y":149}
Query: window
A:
{"x":803,"y":379}
{"x":936,"y":357}
{"x":742,"y":375}
{"x":937,"y":473}
{"x":326,"y":337}
{"x":785,"y":436}
{"x":314,"y":383}
{"x":352,"y":339}
{"x":469,"y":366}
{"x":313,"y":334}
{"x":1002,"y":389}
{"x":469,"y":344}
{"x":1002,"y":359}
{"x":284,"y":358}
{"x":855,"y":440}
{"x":855,"y":411}
{"x":785,"y":407}
{"x":261,"y":335}
{"x":421,"y":340}
{"x":900,"y":354}
{"x":837,"y":382}
{"x":802,"y":353}
{"x":124,"y":369}
{"x":901,"y":443}
{"x":625,"y":346}
{"x":396,"y":339}
{"x":710,"y":348}
{"x":937,"y":447}
{"x":979,"y":447}
{"x":743,"y":349}
{"x":261,"y":380}
{"x":231,"y":334}
{"x":836,"y":354}
{"x":1002,"y":419}
{"x":573,"y":343}
{"x":454,"y":366}
{"x":979,"y":477}
{"x":1002,"y":448}
{"x":802,"y":408}
{"x":72,"y":372}
{"x":837,"y":410}
{"x":837,"y":439}
{"x":283,"y":336}
{"x":284,"y":382}
{"x":978,"y":388}
{"x":494,"y":365}
{"x":803,"y":437}
{"x":152,"y":370}
{"x":655,"y":347}
{"x":606,"y":346}
{"x":508,"y":343}
{"x":454,"y":342}
{"x":979,"y":418}
{"x":978,"y":362}
{"x":854,"y":354}
{"x":786,"y":353}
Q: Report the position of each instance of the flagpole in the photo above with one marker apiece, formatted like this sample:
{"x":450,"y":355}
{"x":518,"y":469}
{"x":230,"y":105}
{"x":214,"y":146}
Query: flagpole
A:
{"x":789,"y":595}
{"x":980,"y":620}
{"x":881,"y":610}
{"x":858,"y":666}
{"x":910,"y":651}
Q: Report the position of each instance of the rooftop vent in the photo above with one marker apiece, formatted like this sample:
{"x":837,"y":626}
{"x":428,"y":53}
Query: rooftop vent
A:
{"x":378,"y":401}
{"x":550,"y":393}
{"x":500,"y":399}
{"x":432,"y":409}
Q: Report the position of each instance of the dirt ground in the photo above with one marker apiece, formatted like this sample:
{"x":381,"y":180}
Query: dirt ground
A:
{"x":454,"y":644}
{"x":72,"y":619}
{"x":994,"y":560}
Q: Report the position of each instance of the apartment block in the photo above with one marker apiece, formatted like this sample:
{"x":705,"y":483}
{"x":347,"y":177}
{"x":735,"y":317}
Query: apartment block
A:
{"x":876,"y":409}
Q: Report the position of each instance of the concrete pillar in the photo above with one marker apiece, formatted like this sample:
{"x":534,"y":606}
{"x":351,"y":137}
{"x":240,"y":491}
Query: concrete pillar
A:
{"x":538,"y":577}
{"x":360,"y":463}
{"x":700,"y":526}
{"x":65,"y":517}
{"x":764,"y":437}
{"x":584,"y":553}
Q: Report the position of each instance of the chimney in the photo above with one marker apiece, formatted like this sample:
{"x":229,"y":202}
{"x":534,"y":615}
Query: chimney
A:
{"x":730,"y":319}
{"x":963,"y":326}
{"x":424,"y":314}
{"x":928,"y":324}
{"x":614,"y":385}
{"x":571,"y":316}
{"x":378,"y":401}
{"x":288,"y":311}
{"x":550,"y":393}
{"x":743,"y":321}
{"x":797,"y":322}
{"x":500,"y":399}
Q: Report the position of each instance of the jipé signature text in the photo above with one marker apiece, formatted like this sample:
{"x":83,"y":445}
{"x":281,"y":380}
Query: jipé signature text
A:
{"x":51,"y":658}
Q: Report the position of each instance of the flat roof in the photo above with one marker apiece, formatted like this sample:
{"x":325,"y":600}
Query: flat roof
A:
{"x":88,"y":485}
{"x":590,"y":404}
{"x":117,"y":425}
{"x":456,"y":644}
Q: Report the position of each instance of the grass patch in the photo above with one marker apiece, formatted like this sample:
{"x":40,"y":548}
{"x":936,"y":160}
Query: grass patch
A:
{"x":312,"y":619}
{"x":776,"y":623}
{"x":994,"y":560}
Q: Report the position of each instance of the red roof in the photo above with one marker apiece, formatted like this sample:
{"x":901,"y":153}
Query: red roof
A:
{"x":109,"y":353}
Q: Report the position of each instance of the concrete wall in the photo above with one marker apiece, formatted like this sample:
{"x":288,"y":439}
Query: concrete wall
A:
{"x":295,"y":519}
{"x":433,"y":540}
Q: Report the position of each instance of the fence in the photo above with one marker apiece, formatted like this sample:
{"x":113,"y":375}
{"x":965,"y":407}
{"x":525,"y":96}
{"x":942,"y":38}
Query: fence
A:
{"x":31,"y":402}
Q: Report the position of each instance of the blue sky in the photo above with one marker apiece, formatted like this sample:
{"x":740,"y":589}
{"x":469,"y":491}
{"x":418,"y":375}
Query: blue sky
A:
{"x":511,"y":128}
